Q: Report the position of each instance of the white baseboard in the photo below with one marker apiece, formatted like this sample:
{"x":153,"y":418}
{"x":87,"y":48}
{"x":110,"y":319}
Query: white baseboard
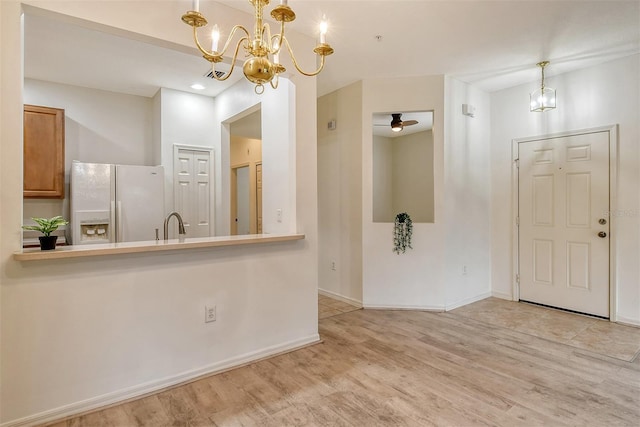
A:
{"x":157,"y":385}
{"x":404,"y":307}
{"x":502,"y":295}
{"x":627,"y":321}
{"x":339,"y":297}
{"x":466,"y":301}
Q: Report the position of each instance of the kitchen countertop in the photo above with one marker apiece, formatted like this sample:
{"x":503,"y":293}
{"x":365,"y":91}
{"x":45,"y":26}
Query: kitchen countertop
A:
{"x":77,"y":251}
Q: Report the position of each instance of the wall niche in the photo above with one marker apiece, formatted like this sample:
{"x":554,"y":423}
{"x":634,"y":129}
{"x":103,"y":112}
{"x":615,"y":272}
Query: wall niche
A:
{"x":403,"y":166}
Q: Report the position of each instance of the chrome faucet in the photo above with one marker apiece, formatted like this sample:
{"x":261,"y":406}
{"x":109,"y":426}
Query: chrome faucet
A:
{"x":180,"y":225}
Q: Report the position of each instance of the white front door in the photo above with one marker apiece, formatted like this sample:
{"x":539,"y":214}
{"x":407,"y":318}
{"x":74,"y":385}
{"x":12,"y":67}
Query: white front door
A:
{"x":563,"y":222}
{"x":192,"y":190}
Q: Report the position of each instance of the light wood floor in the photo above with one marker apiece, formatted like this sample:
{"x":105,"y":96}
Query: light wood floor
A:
{"x":404,"y":368}
{"x":589,"y":333}
{"x":328,"y":307}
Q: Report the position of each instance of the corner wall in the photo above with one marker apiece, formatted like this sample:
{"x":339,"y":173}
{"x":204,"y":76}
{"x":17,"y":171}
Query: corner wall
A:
{"x":601,"y":95}
{"x":413,"y":279}
{"x":340,"y":193}
{"x":467,"y":199}
{"x":186,"y":119}
{"x":449,"y":264}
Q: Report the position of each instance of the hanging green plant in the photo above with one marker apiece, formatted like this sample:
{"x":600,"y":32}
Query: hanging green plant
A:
{"x":402,"y":233}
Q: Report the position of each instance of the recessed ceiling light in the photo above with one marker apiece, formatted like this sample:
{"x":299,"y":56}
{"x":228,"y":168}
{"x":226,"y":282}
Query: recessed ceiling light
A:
{"x":197,"y":86}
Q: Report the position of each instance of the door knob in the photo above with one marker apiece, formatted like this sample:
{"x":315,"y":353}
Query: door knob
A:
{"x":602,"y":234}
{"x":602,"y":221}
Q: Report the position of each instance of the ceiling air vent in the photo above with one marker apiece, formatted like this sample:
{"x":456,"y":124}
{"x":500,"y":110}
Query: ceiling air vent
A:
{"x":219,"y":74}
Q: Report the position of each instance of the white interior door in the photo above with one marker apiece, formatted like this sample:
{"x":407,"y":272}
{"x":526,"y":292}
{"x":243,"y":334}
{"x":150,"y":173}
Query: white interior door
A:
{"x":192,"y":190}
{"x":563,"y":222}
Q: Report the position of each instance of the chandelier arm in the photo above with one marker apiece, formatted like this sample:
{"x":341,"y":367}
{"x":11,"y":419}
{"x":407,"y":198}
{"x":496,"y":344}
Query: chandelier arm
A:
{"x":231,"y":34}
{"x":295,"y":62}
{"x":233,"y":61}
{"x":198,"y":45}
{"x":226,"y":45}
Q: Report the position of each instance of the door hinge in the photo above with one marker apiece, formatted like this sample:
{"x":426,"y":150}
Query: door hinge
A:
{"x":517,"y":221}
{"x":517,"y":161}
{"x":518,"y":278}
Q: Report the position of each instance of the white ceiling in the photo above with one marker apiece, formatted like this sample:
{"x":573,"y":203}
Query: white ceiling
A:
{"x":62,"y":52}
{"x":494,"y":44}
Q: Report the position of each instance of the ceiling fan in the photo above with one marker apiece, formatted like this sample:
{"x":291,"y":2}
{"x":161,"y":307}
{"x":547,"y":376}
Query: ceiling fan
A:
{"x":397,"y":124}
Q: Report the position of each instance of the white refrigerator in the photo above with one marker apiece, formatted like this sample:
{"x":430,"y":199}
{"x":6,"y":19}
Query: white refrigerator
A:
{"x":115,"y":203}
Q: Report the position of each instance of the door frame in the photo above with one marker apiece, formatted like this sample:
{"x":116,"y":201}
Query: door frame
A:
{"x":613,"y":186}
{"x":233,"y":196}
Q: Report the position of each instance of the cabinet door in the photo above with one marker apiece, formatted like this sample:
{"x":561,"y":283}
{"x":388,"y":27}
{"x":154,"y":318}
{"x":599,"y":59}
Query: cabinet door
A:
{"x":43,"y":152}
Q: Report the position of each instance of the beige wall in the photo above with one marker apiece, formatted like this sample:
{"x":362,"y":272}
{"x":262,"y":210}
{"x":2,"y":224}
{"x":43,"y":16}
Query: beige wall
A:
{"x":603,"y":95}
{"x":245,"y":152}
{"x":81,"y":334}
{"x":383,"y":210}
{"x":403,"y":177}
{"x":413,"y":176}
{"x":429,"y":276}
{"x":467,"y":198}
{"x":413,"y":279}
{"x":340,"y":193}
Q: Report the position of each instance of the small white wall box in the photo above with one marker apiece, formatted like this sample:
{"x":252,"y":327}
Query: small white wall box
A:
{"x":468,"y":110}
{"x":331,"y":125}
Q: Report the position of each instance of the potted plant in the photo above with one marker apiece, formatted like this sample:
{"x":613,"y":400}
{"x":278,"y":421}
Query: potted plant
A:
{"x":46,"y":227}
{"x":402,"y":230}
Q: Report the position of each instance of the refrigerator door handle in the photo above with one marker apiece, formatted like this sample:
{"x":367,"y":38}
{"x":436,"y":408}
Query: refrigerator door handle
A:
{"x":119,"y":221}
{"x":112,"y":230}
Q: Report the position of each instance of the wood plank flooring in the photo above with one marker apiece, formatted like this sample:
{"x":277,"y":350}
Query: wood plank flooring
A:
{"x":589,"y":333}
{"x":403,"y":368}
{"x":328,"y":307}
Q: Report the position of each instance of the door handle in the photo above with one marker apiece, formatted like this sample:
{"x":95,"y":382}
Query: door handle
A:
{"x":602,"y":234}
{"x":602,"y":221}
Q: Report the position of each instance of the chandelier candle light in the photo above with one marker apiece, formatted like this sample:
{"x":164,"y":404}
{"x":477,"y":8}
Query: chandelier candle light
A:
{"x":258,"y":68}
{"x":544,"y":98}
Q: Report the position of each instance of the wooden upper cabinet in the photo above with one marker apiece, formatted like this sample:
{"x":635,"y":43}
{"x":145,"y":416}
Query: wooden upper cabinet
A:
{"x":43,"y":152}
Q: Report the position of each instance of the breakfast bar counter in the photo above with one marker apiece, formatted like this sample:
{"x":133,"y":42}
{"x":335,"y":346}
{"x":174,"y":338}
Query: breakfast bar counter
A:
{"x":78,"y":251}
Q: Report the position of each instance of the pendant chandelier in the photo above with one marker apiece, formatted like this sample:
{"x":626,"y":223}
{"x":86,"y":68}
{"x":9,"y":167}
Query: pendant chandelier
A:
{"x":544,"y":98}
{"x":263,"y":50}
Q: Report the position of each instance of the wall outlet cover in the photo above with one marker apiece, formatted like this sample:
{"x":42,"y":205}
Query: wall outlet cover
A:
{"x":209,"y":313}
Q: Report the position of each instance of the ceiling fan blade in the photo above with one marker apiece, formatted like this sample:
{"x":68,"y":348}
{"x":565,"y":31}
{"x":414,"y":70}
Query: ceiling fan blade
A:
{"x":409,"y":123}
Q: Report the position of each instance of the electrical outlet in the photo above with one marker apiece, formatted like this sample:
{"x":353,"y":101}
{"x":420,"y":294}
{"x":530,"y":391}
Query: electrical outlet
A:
{"x":209,"y":313}
{"x":333,"y":265}
{"x":464,"y":270}
{"x":279,"y":215}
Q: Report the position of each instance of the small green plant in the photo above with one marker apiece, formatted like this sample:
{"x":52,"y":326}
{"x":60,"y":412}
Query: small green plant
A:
{"x":46,"y":226}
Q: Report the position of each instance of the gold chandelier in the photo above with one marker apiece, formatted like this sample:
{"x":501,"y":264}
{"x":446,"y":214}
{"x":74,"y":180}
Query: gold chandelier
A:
{"x":258,"y":68}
